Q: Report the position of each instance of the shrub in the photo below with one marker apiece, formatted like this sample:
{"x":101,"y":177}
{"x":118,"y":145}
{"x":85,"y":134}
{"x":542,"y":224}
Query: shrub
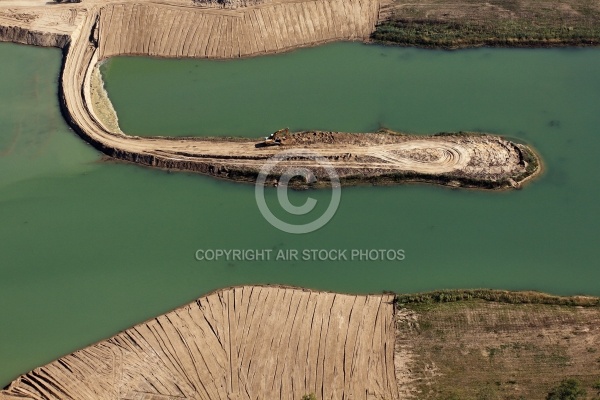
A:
{"x":568,"y":389}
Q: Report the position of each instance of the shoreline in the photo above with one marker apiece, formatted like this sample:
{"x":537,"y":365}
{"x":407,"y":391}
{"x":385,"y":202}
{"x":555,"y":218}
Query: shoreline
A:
{"x":101,"y":103}
{"x":76,"y":98}
{"x":404,"y":322}
{"x":500,"y":44}
{"x":99,"y":33}
{"x":376,"y":174}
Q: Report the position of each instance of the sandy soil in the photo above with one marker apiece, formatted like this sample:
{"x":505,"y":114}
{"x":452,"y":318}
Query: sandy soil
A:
{"x":241,"y":343}
{"x":257,"y":342}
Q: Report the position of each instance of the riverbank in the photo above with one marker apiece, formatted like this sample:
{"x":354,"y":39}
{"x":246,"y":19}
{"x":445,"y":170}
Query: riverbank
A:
{"x":239,"y":343}
{"x":223,"y":346}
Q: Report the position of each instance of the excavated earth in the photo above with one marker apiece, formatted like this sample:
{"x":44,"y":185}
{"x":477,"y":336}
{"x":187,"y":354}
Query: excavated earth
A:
{"x":94,"y":30}
{"x":240,"y":343}
{"x":267,"y":342}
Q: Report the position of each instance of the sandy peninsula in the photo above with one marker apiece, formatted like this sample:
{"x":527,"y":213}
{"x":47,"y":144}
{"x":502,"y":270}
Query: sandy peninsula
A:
{"x":92,"y":31}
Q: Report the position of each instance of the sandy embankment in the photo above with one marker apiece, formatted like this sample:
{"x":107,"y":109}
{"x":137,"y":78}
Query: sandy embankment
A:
{"x":266,"y":342}
{"x":98,"y":30}
{"x":103,"y":108}
{"x":240,"y":343}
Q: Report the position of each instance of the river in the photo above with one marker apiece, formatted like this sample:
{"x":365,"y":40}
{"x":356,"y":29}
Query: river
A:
{"x":92,"y":247}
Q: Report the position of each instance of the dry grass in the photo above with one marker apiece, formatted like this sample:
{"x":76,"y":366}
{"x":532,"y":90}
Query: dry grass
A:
{"x":462,"y":23}
{"x":477,"y":349}
{"x":101,"y":104}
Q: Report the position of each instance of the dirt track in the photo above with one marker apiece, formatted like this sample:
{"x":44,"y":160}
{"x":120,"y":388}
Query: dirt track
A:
{"x":93,"y":30}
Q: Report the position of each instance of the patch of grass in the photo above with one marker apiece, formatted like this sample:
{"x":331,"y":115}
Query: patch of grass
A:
{"x":500,"y":296}
{"x":487,"y":393}
{"x":568,"y":389}
{"x":552,"y":358}
{"x":487,"y":356}
{"x":471,"y":23}
{"x":424,"y":33}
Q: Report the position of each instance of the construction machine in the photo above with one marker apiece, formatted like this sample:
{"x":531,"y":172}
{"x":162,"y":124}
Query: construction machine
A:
{"x":276,"y":138}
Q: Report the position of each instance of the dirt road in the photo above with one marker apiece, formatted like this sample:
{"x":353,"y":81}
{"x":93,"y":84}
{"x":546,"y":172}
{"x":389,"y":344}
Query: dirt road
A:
{"x":93,"y":30}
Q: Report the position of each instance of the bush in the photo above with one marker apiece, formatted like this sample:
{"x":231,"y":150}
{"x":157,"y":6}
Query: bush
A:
{"x":568,"y":389}
{"x":309,"y":397}
{"x":502,"y":296}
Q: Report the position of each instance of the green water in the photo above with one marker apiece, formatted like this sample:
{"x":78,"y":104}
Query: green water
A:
{"x":90,"y":248}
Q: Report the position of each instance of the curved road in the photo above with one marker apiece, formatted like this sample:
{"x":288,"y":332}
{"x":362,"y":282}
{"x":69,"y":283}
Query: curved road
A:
{"x":175,"y":28}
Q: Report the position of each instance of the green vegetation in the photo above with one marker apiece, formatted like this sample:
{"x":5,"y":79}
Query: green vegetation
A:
{"x":487,"y":393}
{"x":568,"y":389}
{"x":309,"y":397}
{"x":501,"y":296}
{"x":454,"y":35}
{"x":468,"y":23}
